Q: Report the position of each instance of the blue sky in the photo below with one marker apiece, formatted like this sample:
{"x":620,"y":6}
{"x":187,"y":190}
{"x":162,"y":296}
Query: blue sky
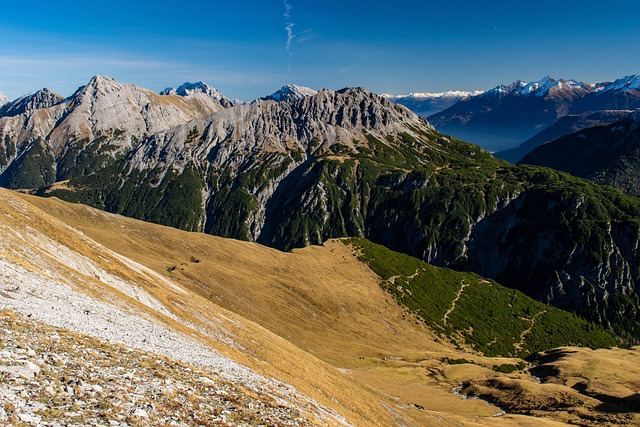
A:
{"x":250,"y":48}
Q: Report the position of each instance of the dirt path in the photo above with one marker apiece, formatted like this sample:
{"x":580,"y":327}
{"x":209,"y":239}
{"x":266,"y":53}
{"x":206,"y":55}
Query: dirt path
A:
{"x":526,"y":332}
{"x":393,"y":279}
{"x":445,"y":318}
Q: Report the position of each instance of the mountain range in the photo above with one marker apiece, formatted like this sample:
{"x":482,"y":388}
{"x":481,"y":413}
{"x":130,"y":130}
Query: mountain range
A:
{"x":608,"y":155}
{"x":508,"y":118}
{"x":426,"y":104}
{"x":302,"y":170}
{"x":565,"y":125}
{"x":365,"y":269}
{"x":508,"y":115}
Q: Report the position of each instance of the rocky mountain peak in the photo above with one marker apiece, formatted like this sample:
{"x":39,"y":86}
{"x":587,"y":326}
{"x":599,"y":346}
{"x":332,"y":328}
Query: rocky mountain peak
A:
{"x":99,"y":80}
{"x":354,"y":109}
{"x":623,"y":84}
{"x":104,"y":117}
{"x":541,"y":88}
{"x":290,"y":92}
{"x":188,"y":89}
{"x":3,"y":99}
{"x":41,"y":99}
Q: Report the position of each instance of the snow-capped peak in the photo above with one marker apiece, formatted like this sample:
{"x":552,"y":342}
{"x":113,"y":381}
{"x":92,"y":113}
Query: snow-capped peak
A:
{"x":620,"y":85}
{"x":433,"y":95}
{"x":538,"y":88}
{"x":291,"y":93}
{"x":3,"y":99}
{"x":541,"y":87}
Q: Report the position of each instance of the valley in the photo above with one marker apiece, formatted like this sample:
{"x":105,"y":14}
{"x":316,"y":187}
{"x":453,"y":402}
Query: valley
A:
{"x":331,"y":214}
{"x":338,"y":330}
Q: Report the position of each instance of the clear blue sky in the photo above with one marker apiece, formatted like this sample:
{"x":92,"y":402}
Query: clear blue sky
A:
{"x":244,"y":48}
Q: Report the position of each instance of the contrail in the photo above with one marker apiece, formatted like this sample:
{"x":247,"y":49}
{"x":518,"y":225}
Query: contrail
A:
{"x":289,"y":28}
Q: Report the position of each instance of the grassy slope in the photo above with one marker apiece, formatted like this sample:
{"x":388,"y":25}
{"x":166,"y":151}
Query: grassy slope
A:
{"x":482,"y":314}
{"x":321,"y":299}
{"x":253,"y":345}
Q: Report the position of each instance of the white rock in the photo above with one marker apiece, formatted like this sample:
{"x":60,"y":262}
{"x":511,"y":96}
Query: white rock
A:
{"x":207,"y":381}
{"x":28,"y":418}
{"x":139,"y":412}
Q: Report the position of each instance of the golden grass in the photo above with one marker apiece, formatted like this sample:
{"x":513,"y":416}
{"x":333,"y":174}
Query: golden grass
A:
{"x":255,"y":347}
{"x":613,"y":372}
{"x":315,"y":318}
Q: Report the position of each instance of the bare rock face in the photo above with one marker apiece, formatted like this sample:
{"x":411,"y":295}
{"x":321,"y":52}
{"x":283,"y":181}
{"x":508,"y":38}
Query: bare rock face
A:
{"x":125,"y":112}
{"x":306,"y":125}
{"x":101,"y":121}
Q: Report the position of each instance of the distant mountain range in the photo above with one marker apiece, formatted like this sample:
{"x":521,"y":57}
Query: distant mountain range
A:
{"x":3,"y":99}
{"x":506,"y":116}
{"x":564,"y":126}
{"x":298,"y":171}
{"x":510,"y":119}
{"x":426,"y":104}
{"x":604,"y":154}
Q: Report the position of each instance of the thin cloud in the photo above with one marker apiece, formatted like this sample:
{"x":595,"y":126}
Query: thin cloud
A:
{"x":289,"y":28}
{"x":346,"y":69}
{"x":306,"y":35}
